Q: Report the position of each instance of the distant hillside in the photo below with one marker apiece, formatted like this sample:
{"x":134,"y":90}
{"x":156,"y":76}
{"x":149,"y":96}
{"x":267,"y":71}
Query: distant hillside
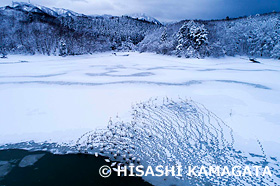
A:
{"x":26,"y":28}
{"x":253,"y":36}
{"x":144,"y":17}
{"x":30,"y":29}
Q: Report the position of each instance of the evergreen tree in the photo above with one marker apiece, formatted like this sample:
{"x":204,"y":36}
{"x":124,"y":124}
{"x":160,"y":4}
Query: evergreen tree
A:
{"x":181,"y":40}
{"x":197,"y":35}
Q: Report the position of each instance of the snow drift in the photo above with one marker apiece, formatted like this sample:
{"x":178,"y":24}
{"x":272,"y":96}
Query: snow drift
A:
{"x":168,"y":133}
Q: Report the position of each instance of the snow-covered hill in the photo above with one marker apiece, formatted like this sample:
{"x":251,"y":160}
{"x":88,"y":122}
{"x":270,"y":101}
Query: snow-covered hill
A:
{"x":31,"y":29}
{"x":27,"y":7}
{"x":144,"y":17}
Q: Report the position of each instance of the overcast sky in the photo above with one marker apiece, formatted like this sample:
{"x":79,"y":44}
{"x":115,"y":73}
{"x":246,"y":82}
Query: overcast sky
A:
{"x":164,"y":10}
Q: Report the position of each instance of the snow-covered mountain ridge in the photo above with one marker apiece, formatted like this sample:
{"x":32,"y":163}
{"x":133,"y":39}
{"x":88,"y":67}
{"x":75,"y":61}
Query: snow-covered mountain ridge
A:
{"x":144,"y":17}
{"x":28,"y":7}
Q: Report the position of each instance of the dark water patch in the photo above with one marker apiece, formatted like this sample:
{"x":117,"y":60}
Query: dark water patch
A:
{"x":69,"y":169}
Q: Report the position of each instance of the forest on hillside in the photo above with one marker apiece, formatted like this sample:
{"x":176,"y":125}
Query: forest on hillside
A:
{"x":31,"y":29}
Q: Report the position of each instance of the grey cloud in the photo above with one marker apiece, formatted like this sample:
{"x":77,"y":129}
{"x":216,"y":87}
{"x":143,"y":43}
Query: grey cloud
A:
{"x":81,"y":0}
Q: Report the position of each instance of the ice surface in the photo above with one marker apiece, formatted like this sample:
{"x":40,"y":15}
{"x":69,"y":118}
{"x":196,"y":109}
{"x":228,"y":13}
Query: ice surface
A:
{"x":55,"y":99}
{"x":5,"y":168}
{"x":30,"y":160}
{"x":166,"y":132}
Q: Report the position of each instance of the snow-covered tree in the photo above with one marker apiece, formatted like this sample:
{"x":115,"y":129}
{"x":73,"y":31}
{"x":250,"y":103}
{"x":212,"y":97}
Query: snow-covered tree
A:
{"x":181,"y":40}
{"x":191,"y":53}
{"x":192,"y":40}
{"x":63,"y":49}
{"x":163,"y":37}
{"x":197,"y":36}
{"x":275,"y":53}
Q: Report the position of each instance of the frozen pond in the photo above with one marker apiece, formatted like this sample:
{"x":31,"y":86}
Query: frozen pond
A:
{"x":55,"y":99}
{"x":58,"y":99}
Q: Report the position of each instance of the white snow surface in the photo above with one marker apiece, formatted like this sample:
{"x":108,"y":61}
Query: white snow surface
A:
{"x":57,"y":99}
{"x":51,"y":11}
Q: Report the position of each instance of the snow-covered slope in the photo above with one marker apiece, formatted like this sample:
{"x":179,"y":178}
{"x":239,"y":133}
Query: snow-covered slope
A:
{"x":255,"y":36}
{"x":27,"y":7}
{"x":144,"y":17}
